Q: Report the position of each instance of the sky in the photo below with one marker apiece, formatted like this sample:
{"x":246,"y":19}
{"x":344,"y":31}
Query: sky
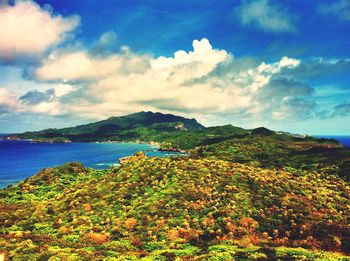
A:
{"x":284,"y":65}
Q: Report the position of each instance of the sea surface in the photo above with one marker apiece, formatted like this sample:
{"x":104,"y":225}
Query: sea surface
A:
{"x":345,"y":140}
{"x":21,"y":159}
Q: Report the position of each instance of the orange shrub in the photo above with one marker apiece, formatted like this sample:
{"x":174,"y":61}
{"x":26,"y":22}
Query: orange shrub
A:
{"x":96,"y":238}
{"x":130,"y":223}
{"x":87,"y":207}
{"x":173,"y":234}
{"x":249,"y":223}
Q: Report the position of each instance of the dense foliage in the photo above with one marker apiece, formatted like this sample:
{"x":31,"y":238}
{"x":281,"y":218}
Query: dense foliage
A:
{"x":238,"y":195}
{"x":281,"y":151}
{"x":176,"y":208}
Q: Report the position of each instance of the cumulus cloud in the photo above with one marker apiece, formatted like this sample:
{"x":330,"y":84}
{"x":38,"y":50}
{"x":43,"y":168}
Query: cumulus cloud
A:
{"x":28,"y":29}
{"x":266,"y":16}
{"x":202,"y":83}
{"x":338,"y":9}
{"x":80,"y":65}
{"x":197,"y":82}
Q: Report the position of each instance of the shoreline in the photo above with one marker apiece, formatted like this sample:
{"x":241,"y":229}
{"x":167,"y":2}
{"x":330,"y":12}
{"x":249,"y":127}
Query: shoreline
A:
{"x":48,"y":141}
{"x":149,"y":149}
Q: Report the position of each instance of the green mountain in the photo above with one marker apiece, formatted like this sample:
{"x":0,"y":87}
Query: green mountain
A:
{"x":137,"y":126}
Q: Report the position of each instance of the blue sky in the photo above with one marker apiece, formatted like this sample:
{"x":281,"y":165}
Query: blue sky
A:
{"x":280,"y":64}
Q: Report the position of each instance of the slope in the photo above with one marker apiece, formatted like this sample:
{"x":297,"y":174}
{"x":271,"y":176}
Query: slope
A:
{"x":163,"y":208}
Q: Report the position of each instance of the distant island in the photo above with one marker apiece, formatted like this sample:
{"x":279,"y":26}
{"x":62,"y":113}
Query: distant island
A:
{"x":238,"y":195}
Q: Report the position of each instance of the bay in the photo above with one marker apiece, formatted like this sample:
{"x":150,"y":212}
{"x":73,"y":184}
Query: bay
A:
{"x":21,"y":159}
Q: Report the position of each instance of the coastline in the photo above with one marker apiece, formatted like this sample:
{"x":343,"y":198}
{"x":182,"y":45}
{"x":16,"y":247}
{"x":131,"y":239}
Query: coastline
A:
{"x":22,"y":158}
{"x":156,"y":144}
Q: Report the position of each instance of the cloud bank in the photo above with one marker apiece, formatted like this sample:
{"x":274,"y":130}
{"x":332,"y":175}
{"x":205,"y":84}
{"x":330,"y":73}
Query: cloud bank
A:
{"x":81,"y":84}
{"x":202,"y":81}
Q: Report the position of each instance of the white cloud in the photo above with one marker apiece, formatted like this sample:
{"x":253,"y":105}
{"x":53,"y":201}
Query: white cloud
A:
{"x":338,"y":9}
{"x":266,"y":16}
{"x":187,"y":82}
{"x":26,"y":28}
{"x":197,"y":83}
{"x":82,"y":66}
{"x":7,"y":99}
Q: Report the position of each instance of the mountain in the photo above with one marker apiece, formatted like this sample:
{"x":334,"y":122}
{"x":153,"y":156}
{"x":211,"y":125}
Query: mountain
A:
{"x":138,"y":126}
{"x":177,"y":208}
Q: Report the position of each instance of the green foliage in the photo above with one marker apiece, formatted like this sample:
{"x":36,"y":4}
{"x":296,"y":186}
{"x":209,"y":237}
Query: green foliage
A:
{"x":281,"y":151}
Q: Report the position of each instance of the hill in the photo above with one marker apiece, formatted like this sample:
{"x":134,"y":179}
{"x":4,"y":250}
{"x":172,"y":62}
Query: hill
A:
{"x":137,"y":126}
{"x":168,"y":208}
{"x":280,"y":151}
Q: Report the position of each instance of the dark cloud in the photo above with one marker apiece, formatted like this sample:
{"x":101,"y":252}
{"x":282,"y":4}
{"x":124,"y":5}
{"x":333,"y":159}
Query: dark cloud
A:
{"x":284,"y":98}
{"x":301,"y":108}
{"x":4,"y":109}
{"x":319,"y":69}
{"x":279,"y":88}
{"x":35,"y":97}
{"x":342,"y":109}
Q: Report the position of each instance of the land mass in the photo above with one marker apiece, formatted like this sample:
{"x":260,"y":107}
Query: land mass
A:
{"x":258,"y":147}
{"x":237,"y":195}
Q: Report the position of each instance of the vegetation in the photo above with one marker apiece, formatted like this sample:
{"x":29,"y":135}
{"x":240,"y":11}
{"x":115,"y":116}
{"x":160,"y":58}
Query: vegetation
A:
{"x":181,"y":207}
{"x":258,"y":147}
{"x":238,"y":195}
{"x":281,"y":151}
{"x":144,"y":126}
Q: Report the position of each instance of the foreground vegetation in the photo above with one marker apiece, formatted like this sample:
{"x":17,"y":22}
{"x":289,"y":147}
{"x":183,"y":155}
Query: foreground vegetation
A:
{"x":176,"y":209}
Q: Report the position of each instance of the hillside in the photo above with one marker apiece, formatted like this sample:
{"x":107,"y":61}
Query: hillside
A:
{"x":281,"y":151}
{"x":167,"y":208}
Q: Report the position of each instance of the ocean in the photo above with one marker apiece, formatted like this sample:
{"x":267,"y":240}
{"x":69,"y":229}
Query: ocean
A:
{"x":345,"y":140}
{"x":21,"y":159}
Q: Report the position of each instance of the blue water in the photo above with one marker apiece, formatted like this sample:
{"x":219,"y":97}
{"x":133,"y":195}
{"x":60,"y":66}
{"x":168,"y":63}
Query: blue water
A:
{"x":345,"y":140}
{"x":21,"y":159}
